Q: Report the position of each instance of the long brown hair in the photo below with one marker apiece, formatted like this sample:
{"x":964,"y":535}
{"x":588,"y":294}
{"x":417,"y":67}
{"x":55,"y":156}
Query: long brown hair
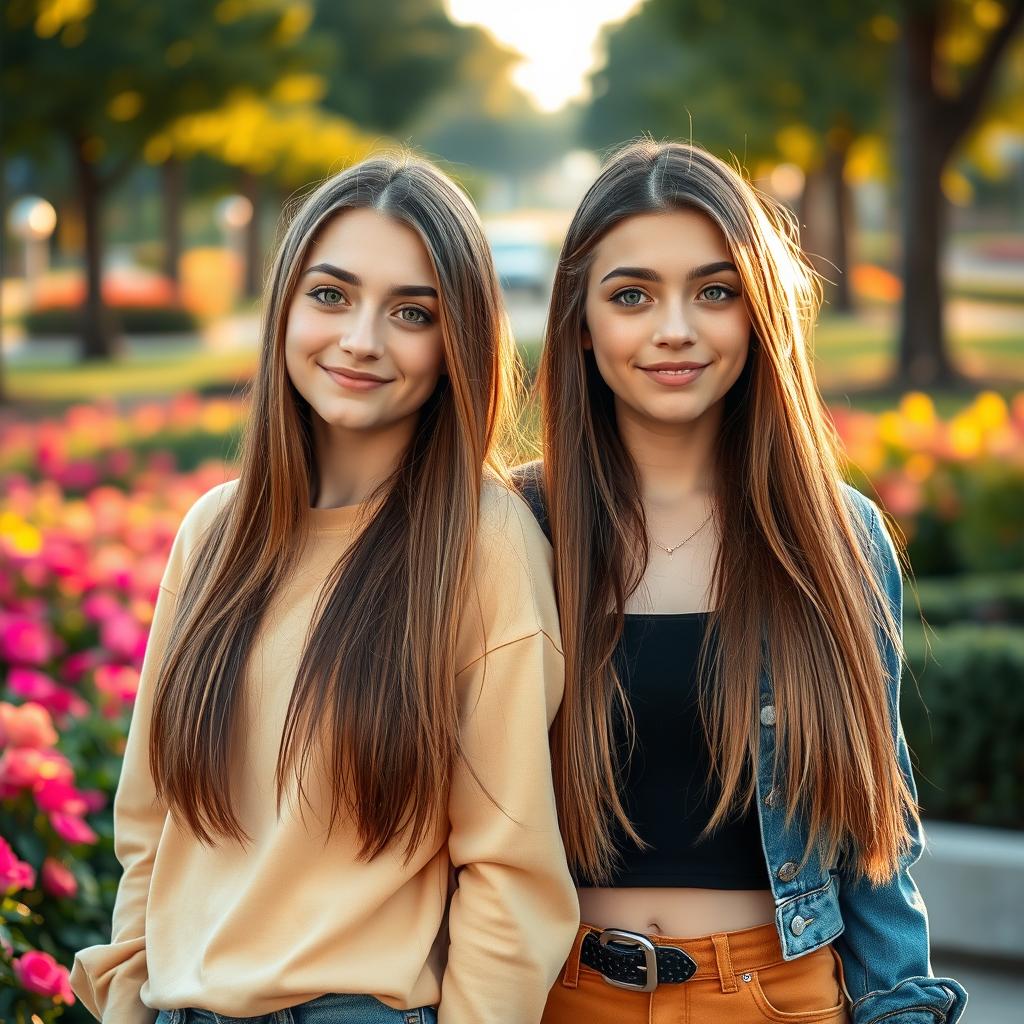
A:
{"x":373,"y":705}
{"x":792,"y":581}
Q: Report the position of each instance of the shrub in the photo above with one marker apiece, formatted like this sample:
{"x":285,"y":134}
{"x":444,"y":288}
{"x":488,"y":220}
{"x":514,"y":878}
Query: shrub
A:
{"x":981,"y":598}
{"x":965,"y":723}
{"x":67,"y":320}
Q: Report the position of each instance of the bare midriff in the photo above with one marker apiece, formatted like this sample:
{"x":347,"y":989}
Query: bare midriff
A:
{"x":679,"y":913}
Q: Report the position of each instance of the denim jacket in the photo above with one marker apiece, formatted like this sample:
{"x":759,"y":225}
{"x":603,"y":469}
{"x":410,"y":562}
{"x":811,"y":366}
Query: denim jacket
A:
{"x":879,"y":931}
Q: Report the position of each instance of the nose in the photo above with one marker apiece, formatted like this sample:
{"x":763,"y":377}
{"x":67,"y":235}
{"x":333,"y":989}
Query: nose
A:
{"x":363,"y":339}
{"x":674,"y":329}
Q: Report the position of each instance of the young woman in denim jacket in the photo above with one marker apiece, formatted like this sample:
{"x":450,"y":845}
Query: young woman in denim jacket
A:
{"x":734,"y":789}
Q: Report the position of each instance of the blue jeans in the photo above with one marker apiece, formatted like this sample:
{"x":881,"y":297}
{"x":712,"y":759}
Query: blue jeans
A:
{"x":329,"y":1009}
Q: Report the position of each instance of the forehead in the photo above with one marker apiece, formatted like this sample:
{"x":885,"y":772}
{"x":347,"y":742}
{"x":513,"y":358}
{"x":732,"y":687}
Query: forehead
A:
{"x":374,"y":246}
{"x":671,"y":242}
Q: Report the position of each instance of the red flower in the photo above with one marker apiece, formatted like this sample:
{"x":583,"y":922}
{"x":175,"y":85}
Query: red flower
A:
{"x":58,"y":879}
{"x":71,"y":828}
{"x":15,"y":874}
{"x":39,"y":972}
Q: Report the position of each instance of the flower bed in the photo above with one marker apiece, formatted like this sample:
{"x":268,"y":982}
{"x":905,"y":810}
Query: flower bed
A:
{"x":78,"y":580}
{"x":956,"y":486}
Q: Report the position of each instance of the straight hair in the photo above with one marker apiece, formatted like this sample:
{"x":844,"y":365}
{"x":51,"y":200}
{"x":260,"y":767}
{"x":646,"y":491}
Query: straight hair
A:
{"x":793,"y":587}
{"x":373,"y":705}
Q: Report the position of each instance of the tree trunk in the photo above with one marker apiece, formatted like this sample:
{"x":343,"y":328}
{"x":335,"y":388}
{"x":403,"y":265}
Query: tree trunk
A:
{"x":807,"y":217}
{"x":98,"y":336}
{"x":923,"y":360}
{"x":253,"y":280}
{"x":933,"y":125}
{"x":172,"y":189}
{"x":840,"y":293}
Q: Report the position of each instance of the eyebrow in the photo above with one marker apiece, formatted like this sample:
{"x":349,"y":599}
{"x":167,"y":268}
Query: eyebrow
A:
{"x":406,"y":290}
{"x":645,"y":274}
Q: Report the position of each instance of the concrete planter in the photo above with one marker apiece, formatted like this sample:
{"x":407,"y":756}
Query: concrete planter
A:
{"x":972,"y":880}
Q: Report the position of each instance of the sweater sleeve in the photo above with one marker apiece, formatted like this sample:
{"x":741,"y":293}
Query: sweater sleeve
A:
{"x":110,"y":979}
{"x":514,"y":913}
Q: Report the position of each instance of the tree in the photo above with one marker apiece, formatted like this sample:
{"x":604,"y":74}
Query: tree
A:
{"x":390,"y":59}
{"x":942,"y":88}
{"x":99,"y":79}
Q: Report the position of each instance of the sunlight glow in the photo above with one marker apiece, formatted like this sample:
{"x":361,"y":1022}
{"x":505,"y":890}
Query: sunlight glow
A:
{"x":557,"y":38}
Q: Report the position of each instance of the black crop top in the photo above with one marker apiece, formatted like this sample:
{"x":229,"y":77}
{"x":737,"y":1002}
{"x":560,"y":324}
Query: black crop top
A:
{"x":665,"y":788}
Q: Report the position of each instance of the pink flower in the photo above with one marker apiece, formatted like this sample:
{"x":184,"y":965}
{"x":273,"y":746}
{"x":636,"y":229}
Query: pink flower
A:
{"x":71,"y":828}
{"x":39,"y":972}
{"x":121,"y":682}
{"x":100,"y":605}
{"x":58,"y":880}
{"x":77,"y":664}
{"x":40,"y":688}
{"x":24,"y":640}
{"x":122,"y":636}
{"x":27,"y":726}
{"x":56,"y":795}
{"x":23,"y":767}
{"x":15,"y":874}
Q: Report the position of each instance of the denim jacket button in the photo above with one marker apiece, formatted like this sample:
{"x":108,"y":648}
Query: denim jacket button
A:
{"x":768,"y":714}
{"x":797,"y":925}
{"x":787,"y":873}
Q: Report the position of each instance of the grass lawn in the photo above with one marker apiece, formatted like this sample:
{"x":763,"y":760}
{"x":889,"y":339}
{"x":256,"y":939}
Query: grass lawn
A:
{"x":141,"y":374}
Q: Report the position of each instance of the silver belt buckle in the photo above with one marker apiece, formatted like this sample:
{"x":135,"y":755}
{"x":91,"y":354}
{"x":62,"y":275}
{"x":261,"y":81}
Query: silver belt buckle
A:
{"x":621,"y":937}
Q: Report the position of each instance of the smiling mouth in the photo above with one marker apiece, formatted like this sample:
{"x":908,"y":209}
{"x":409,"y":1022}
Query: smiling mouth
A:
{"x":354,"y":380}
{"x":674,"y":374}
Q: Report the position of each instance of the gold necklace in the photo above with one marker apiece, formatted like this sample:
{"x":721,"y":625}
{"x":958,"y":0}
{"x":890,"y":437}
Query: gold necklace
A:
{"x":676,"y":547}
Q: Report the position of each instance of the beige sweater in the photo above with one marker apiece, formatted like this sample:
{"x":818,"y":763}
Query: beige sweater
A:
{"x":245,"y":931}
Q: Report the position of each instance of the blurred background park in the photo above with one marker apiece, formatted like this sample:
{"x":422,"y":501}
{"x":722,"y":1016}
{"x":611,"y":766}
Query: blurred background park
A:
{"x":147,"y":153}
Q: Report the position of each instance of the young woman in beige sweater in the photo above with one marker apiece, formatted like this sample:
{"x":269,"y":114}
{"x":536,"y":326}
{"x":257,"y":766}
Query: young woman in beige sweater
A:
{"x":336,"y":802}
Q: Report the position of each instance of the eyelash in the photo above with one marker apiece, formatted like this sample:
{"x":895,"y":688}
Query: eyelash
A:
{"x":729,"y":294}
{"x":317,"y":293}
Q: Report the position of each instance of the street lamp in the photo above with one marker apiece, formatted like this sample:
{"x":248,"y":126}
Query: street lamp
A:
{"x":32,"y":220}
{"x":233,"y":214}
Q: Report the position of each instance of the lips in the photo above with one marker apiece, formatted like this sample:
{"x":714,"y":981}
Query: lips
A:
{"x":674,"y":374}
{"x":354,"y":380}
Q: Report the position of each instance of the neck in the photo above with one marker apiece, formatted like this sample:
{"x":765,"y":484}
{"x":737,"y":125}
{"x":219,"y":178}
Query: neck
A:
{"x":352,"y":464}
{"x":675,"y":461}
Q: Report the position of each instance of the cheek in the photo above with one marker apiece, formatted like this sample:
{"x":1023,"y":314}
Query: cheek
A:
{"x":731,"y":336}
{"x":420,"y":359}
{"x":613,"y":339}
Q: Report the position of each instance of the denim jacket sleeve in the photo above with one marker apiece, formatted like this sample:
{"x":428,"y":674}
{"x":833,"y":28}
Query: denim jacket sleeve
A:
{"x":884,"y":946}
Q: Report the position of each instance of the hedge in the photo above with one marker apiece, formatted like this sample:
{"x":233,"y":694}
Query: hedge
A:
{"x":964,"y":722}
{"x":66,"y":320}
{"x":979,"y":598}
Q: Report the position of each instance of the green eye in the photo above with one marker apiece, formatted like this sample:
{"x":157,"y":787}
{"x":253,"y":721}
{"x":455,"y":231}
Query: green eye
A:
{"x":723,"y":293}
{"x":328,"y":296}
{"x":629,"y":297}
{"x":412,"y":315}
